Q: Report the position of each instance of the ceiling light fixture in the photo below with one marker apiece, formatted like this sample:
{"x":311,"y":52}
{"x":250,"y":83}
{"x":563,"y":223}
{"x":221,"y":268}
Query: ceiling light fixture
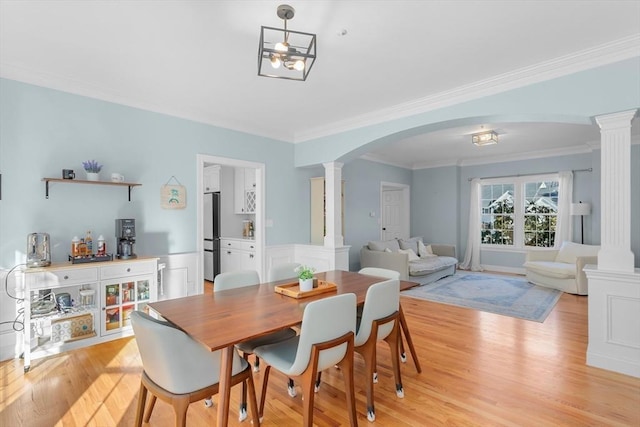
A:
{"x":283,"y":53}
{"x":484,"y":138}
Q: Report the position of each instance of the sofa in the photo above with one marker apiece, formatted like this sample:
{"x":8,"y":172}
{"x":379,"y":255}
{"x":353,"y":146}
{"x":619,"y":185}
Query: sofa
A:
{"x":562,"y":268}
{"x":412,"y":258}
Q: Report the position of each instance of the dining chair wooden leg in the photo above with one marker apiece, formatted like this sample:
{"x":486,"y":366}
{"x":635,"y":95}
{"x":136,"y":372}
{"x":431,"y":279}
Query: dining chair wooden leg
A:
{"x":407,"y":335}
{"x":180,"y":405}
{"x":242,"y":411}
{"x":150,"y":406}
{"x":393,"y":340}
{"x":307,"y":382}
{"x":255,"y":416}
{"x":142,"y":399}
{"x":263,"y":393}
{"x":346,"y":366}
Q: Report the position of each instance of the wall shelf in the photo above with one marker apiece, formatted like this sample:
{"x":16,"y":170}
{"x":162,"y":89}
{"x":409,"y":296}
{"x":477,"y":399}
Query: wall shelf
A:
{"x":129,"y":185}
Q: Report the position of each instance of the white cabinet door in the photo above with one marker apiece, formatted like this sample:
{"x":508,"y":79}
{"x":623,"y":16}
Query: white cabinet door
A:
{"x":230,"y":260}
{"x":211,"y":179}
{"x":249,"y":179}
{"x":247,"y":261}
{"x":120,"y":296}
{"x":244,"y":190}
{"x":238,"y":191}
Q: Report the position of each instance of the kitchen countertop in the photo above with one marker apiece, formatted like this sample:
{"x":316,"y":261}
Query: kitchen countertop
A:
{"x":243,"y":239}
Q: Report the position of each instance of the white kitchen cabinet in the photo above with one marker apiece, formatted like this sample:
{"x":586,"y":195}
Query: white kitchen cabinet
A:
{"x":318,"y":208}
{"x":211,"y":179}
{"x":244,"y":190}
{"x":124,"y":288}
{"x":103,"y":295}
{"x":237,"y":254}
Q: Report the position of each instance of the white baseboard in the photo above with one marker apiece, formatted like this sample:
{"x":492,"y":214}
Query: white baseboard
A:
{"x":627,"y":367}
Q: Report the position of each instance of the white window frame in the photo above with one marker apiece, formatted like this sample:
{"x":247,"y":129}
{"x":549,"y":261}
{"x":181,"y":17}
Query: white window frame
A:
{"x":518,"y":207}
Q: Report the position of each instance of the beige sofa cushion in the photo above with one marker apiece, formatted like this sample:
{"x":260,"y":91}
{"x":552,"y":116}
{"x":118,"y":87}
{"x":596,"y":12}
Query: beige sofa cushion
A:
{"x":423,"y":266}
{"x":569,"y":251}
{"x":558,"y":270}
{"x":381,"y":245}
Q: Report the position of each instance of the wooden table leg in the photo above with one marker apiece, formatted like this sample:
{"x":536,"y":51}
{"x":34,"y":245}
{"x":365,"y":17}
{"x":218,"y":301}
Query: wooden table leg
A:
{"x":407,"y":335}
{"x":224,"y":393}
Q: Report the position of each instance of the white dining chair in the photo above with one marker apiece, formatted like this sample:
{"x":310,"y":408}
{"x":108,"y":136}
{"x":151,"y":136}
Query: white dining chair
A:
{"x":283,"y":271}
{"x":240,"y":279}
{"x":387,"y":274}
{"x":324,"y":341}
{"x":378,"y":320}
{"x":278,"y":272}
{"x":179,"y":370}
{"x":380,"y":272}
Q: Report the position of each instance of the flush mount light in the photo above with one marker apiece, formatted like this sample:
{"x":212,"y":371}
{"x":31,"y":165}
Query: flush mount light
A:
{"x":283,"y":53}
{"x":484,"y":138}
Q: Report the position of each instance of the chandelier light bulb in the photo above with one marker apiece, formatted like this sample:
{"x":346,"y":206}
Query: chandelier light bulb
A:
{"x":299,"y":65}
{"x":275,"y":61}
{"x":282,"y":47}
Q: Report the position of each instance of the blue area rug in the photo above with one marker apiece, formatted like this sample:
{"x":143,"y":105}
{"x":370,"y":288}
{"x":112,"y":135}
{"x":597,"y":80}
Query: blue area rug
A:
{"x":509,"y":296}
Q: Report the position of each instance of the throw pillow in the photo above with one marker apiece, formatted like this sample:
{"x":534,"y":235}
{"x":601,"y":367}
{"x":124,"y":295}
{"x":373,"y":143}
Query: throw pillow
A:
{"x":411,"y":243}
{"x":424,"y":251}
{"x":410,"y":252}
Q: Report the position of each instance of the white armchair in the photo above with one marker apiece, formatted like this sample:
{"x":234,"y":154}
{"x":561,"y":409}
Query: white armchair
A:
{"x":561,"y":269}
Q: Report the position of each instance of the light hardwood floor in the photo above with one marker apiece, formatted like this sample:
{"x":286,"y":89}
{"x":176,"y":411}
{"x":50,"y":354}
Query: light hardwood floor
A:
{"x":479,"y":369}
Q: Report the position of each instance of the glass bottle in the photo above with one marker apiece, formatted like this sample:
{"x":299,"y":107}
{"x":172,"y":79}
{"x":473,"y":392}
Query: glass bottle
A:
{"x":75,"y":246}
{"x":88,"y":240}
{"x":102,"y":246}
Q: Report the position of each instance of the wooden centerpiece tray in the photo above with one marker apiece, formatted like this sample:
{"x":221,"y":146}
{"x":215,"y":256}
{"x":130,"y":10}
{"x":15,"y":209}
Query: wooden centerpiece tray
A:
{"x":293,"y":289}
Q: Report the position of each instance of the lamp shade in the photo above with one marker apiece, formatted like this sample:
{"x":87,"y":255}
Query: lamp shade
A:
{"x":580,"y":208}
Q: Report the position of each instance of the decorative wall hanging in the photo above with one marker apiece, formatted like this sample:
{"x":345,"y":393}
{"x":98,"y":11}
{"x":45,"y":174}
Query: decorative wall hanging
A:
{"x":173,"y":196}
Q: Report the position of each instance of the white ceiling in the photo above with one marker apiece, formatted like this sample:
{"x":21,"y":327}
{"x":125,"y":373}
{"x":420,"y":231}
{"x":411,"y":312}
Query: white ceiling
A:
{"x":198,"y":60}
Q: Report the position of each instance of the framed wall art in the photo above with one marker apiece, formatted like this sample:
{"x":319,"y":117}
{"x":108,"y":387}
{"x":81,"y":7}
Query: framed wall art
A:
{"x":173,"y":196}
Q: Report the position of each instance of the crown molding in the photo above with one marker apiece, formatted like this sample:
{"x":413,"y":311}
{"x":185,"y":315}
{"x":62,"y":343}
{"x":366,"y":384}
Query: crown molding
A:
{"x":597,"y":56}
{"x":615,"y":51}
{"x":83,"y":88}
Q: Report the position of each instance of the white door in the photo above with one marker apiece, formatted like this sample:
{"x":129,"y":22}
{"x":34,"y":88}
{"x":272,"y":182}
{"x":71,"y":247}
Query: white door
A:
{"x":393,"y":215}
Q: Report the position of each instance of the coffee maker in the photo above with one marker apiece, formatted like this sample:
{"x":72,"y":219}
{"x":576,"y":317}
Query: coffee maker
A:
{"x":126,"y":237}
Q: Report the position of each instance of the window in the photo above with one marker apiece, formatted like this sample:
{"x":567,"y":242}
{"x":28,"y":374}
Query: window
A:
{"x":519,"y":212}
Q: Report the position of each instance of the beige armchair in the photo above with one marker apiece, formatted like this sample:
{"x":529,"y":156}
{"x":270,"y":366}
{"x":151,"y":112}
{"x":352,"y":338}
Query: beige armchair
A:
{"x":561,"y":269}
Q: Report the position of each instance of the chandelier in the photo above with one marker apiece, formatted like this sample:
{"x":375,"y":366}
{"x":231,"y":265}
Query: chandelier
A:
{"x":283,"y":53}
{"x":484,"y":138}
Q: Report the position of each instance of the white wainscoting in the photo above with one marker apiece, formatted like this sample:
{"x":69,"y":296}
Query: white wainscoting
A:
{"x":614,"y":320}
{"x":8,"y":313}
{"x":178,"y":275}
{"x":318,"y":257}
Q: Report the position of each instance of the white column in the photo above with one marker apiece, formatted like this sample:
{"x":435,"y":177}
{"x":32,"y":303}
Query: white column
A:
{"x":615,"y":191}
{"x":333,"y":205}
{"x":614,"y":286}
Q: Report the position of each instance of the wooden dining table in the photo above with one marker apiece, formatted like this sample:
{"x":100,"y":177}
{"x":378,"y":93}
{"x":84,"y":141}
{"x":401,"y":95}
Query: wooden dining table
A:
{"x":221,"y":321}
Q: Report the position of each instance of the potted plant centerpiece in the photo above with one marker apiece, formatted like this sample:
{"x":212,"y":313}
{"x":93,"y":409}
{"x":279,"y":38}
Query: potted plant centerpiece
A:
{"x":305,"y":277}
{"x":92,"y":168}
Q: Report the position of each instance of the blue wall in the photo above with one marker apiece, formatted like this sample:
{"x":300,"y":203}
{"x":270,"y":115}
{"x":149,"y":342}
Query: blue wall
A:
{"x":43,"y":131}
{"x":362,"y":196}
{"x":440,"y":200}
